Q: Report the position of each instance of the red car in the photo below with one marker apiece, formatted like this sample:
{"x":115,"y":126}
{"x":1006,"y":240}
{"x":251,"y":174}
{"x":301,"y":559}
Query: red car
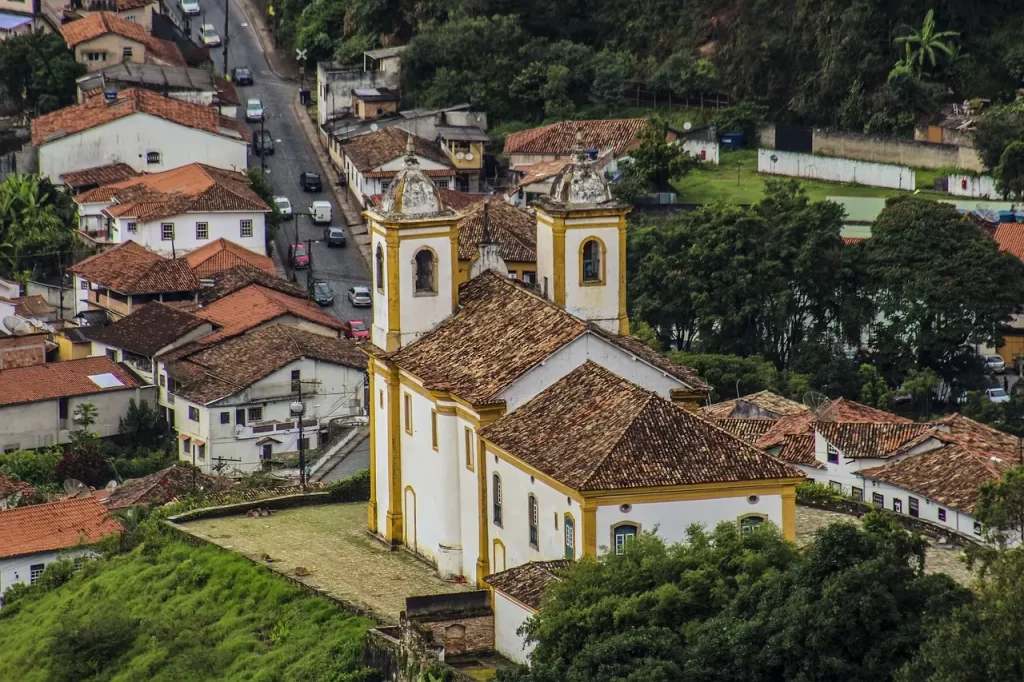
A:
{"x":358,"y":330}
{"x":299,"y":256}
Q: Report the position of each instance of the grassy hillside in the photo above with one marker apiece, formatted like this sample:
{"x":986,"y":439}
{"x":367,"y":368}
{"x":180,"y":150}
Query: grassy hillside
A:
{"x":172,"y":612}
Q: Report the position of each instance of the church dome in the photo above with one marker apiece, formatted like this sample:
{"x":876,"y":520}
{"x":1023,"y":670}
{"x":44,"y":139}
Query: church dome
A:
{"x":580,"y":182}
{"x":412,"y":193}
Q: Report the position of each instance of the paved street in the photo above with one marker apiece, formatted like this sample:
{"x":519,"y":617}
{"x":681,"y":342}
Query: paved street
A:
{"x":293,"y":155}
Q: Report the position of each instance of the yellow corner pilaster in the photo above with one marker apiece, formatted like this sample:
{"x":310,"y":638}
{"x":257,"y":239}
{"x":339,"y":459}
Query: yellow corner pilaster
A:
{"x":453,"y":236}
{"x":589,"y":528}
{"x":394,"y":337}
{"x":623,"y":314}
{"x":394,"y":517}
{"x":371,"y":507}
{"x":558,"y":258}
{"x":483,"y":560}
{"x":789,"y":513}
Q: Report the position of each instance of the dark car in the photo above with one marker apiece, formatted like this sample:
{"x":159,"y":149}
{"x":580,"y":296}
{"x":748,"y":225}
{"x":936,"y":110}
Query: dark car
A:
{"x":241,"y":75}
{"x":322,"y":293}
{"x":263,"y":143}
{"x":311,"y":182}
{"x":335,"y":236}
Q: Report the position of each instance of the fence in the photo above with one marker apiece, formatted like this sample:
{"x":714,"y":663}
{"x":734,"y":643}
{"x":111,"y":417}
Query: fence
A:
{"x":640,"y":95}
{"x":976,"y":186}
{"x":814,"y":167}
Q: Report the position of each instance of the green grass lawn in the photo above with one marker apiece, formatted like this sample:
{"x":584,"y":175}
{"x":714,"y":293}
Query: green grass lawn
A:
{"x":736,"y":181}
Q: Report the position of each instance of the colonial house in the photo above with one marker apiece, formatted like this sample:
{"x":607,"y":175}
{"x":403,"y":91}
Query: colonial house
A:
{"x":37,"y":535}
{"x":213,"y":258}
{"x":555,"y":142}
{"x":511,"y":425}
{"x":140,"y":128}
{"x":121,"y":279}
{"x":255,"y":306}
{"x":103,"y":38}
{"x":533,"y":181}
{"x":492,"y":220}
{"x":90,"y":178}
{"x":233,"y":401}
{"x":370,"y":162}
{"x":177,"y":211}
{"x":464,"y":147}
{"x":153,"y":329}
{"x":187,"y":84}
{"x":37,"y":402}
{"x":135,"y":11}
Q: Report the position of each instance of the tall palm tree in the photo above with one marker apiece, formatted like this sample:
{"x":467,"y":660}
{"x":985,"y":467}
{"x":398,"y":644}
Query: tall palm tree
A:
{"x":927,"y":43}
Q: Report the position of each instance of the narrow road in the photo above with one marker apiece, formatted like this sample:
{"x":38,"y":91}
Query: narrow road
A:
{"x":293,"y":155}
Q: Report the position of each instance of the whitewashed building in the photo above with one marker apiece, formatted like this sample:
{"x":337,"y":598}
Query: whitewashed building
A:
{"x":177,"y":211}
{"x":35,"y":536}
{"x":371,"y":162}
{"x":140,"y":128}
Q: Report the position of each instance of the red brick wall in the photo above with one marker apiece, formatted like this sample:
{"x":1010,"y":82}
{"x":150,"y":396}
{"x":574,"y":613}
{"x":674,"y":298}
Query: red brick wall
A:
{"x":22,"y":351}
{"x":477,"y":634}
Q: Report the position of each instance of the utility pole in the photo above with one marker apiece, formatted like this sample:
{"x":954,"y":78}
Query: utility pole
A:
{"x":309,"y":273}
{"x":227,"y":4}
{"x":263,"y":148}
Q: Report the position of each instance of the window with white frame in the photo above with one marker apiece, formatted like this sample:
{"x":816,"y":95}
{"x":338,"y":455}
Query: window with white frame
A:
{"x":193,"y":414}
{"x":497,"y":499}
{"x":570,"y":537}
{"x":152,"y":157}
{"x":245,"y":228}
{"x":442,"y":184}
{"x":534,"y":513}
{"x":131,"y":227}
{"x":202,"y":230}
{"x":35,"y":571}
{"x":833,"y":454}
{"x":167,"y":231}
{"x":95,"y":56}
{"x":622,"y":534}
{"x":255,"y":414}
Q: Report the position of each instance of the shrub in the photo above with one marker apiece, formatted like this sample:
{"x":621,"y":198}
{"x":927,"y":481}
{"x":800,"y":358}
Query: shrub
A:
{"x":810,"y":492}
{"x":355,"y":488}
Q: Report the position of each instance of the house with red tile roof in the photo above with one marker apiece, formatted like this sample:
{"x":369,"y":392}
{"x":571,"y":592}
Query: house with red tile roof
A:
{"x":140,"y":128}
{"x":38,"y":402}
{"x":135,"y":11}
{"x":34,"y":536}
{"x":370,"y":162}
{"x":177,"y":211}
{"x":103,"y":38}
{"x":256,"y":306}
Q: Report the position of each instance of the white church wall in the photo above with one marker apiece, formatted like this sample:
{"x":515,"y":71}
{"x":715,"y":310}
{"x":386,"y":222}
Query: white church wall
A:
{"x":509,"y":616}
{"x":379,"y":414}
{"x":596,"y":302}
{"x":422,"y":312}
{"x":545,"y":259}
{"x":379,"y":329}
{"x":470,"y":495}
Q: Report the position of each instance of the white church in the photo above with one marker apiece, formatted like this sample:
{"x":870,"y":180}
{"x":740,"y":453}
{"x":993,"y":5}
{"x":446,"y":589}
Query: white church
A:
{"x":512,"y":427}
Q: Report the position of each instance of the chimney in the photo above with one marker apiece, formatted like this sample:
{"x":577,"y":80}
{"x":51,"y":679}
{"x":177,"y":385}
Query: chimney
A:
{"x":488,"y":251}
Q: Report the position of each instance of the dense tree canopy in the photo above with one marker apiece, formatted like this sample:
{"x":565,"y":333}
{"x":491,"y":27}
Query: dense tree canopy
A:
{"x":37,"y":226}
{"x":38,"y":72}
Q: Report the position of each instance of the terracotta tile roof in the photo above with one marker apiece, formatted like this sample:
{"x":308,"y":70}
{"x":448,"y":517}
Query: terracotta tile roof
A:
{"x":500,"y":331}
{"x":220,"y":255}
{"x":560,"y":138}
{"x":527,"y":583}
{"x":30,"y":306}
{"x":800,"y":450}
{"x":147,"y":329}
{"x":839,"y":410}
{"x":158,"y":488}
{"x":433,"y":173}
{"x":455,"y":199}
{"x":372,"y":150}
{"x":748,"y":430}
{"x":129,"y":268}
{"x":254,"y":305}
{"x":192,"y":188}
{"x":215,"y":372}
{"x":761,"y":404}
{"x":852,"y":240}
{"x":12,"y":486}
{"x":226,"y":91}
{"x":239,"y":277}
{"x":60,"y":380}
{"x":102,"y":23}
{"x":97,"y":111}
{"x":1010,"y":238}
{"x":53,"y":526}
{"x":594,"y":430}
{"x":124,"y":5}
{"x":538,"y":172}
{"x":98,"y":175}
{"x":513,"y":228}
{"x":874,"y":440}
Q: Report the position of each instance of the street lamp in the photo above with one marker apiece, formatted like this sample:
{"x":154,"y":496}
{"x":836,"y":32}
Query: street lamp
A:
{"x":298,"y":408}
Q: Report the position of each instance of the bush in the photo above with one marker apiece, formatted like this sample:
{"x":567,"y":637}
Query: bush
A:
{"x":37,"y":467}
{"x":355,"y":488}
{"x":810,"y":492}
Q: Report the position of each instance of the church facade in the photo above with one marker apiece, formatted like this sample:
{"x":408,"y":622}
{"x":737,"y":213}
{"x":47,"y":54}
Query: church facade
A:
{"x":514,"y":424}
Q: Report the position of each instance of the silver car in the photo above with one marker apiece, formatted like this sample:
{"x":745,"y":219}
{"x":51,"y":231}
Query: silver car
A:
{"x":359,"y":297}
{"x":254,"y":110}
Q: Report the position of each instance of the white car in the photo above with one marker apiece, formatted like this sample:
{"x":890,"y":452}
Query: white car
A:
{"x":254,"y":110}
{"x":210,"y":36}
{"x":997,"y":395}
{"x":283,"y":205}
{"x":190,"y":7}
{"x":994,"y":363}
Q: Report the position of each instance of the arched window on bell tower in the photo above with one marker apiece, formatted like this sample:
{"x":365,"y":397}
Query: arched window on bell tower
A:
{"x":379,"y":268}
{"x":425,"y":264}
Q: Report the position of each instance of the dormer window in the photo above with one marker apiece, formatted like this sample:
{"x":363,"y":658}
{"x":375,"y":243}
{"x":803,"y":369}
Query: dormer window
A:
{"x":152,"y":157}
{"x":833,"y":454}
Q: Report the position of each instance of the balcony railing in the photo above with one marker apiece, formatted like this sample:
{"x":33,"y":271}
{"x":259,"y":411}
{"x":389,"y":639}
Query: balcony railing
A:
{"x":253,"y":430}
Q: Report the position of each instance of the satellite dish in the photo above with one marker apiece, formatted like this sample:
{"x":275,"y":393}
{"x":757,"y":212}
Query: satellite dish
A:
{"x":460,"y":156}
{"x":374,"y":127}
{"x":687,"y":125}
{"x":815,"y":401}
{"x":469,"y":156}
{"x":111,"y":485}
{"x":16,"y":325}
{"x":76,"y":488}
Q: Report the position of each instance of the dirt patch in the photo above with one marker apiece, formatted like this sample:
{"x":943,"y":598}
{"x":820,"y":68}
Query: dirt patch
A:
{"x":330,"y":542}
{"x":936,"y":560}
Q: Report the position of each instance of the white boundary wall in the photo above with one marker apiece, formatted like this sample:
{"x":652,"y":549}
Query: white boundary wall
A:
{"x":977,"y":186}
{"x":695,"y":147}
{"x":829,"y":169}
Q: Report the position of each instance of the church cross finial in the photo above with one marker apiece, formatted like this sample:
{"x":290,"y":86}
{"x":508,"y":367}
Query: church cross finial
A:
{"x":410,"y":153}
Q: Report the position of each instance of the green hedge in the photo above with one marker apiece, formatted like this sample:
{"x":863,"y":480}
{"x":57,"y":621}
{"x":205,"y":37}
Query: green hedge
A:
{"x":355,"y":488}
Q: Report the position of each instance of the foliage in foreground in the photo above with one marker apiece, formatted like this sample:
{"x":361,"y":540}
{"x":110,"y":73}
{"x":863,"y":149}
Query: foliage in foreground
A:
{"x":168,"y":611}
{"x":854,"y":605}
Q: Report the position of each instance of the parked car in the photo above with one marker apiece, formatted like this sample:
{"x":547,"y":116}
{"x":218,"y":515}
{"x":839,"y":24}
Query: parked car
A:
{"x":241,"y":75}
{"x":209,"y":35}
{"x":997,"y":395}
{"x":359,"y":297}
{"x":263,"y":143}
{"x":320,"y":212}
{"x":994,"y":363}
{"x":190,"y":7}
{"x":283,"y":205}
{"x":322,"y":293}
{"x":335,"y":236}
{"x":254,"y":110}
{"x":298,"y":255}
{"x":311,"y":182}
{"x":357,"y":329}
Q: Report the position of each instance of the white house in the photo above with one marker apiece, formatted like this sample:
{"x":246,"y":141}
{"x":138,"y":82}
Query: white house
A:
{"x":370,"y":162}
{"x":32,"y":537}
{"x":517,"y":597}
{"x":143,"y":129}
{"x":38,"y":402}
{"x":244,"y":422}
{"x":177,"y":211}
{"x":184,"y":83}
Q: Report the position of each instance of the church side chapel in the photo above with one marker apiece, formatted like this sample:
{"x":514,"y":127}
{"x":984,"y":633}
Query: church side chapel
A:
{"x":512,"y":425}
